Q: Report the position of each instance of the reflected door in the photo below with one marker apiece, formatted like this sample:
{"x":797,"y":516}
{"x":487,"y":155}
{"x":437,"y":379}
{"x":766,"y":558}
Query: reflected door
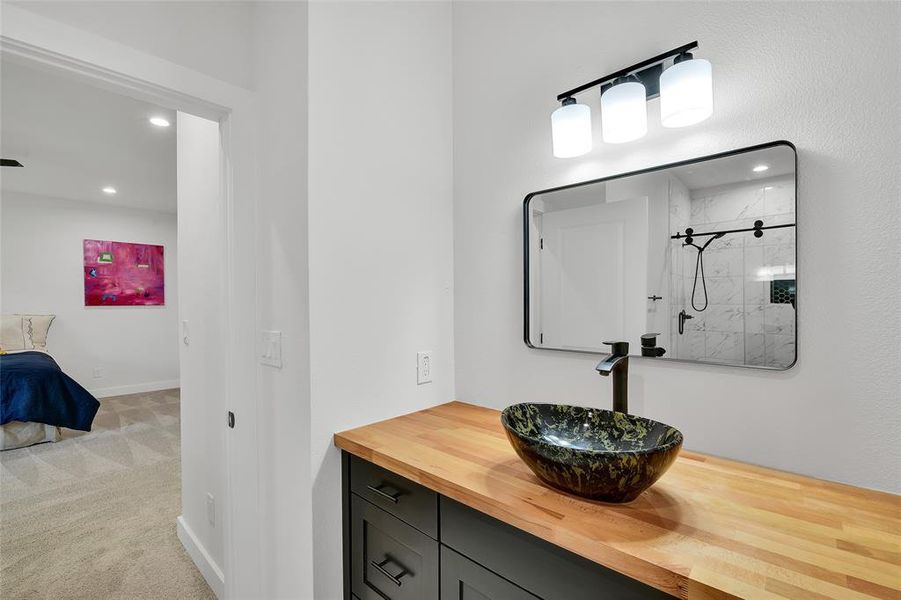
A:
{"x":588,"y":295}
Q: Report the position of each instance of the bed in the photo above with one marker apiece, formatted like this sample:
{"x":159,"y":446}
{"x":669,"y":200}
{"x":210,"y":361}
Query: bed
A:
{"x":36,"y":397}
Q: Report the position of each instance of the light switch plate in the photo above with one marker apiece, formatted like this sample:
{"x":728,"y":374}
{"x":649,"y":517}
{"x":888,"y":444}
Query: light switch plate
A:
{"x":424,"y":367}
{"x":271,"y":348}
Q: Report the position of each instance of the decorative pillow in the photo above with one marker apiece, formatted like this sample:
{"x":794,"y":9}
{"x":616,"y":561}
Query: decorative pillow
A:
{"x":12,"y":334}
{"x":36,"y":327}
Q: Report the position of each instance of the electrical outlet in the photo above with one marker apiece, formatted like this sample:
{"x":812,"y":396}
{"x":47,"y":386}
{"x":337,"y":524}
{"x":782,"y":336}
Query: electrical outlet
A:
{"x":424,"y":367}
{"x":271,"y":348}
{"x":98,"y":372}
{"x":211,"y":509}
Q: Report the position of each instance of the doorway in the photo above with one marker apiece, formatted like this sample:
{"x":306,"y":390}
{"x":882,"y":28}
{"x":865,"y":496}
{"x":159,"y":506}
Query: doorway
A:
{"x":233,"y":110}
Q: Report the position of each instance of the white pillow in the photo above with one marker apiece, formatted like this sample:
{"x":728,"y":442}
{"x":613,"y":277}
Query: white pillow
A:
{"x":12,"y":334}
{"x":35,"y":328}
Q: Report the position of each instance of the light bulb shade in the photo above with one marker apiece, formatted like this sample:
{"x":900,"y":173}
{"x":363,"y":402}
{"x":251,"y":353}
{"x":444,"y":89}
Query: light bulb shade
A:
{"x":624,"y":112}
{"x":571,"y":130}
{"x":686,"y":93}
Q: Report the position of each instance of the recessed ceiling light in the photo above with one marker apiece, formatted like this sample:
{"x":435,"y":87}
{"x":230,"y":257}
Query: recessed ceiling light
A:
{"x":109,"y":190}
{"x":159,"y":121}
{"x":760,"y":168}
{"x":767,"y":188}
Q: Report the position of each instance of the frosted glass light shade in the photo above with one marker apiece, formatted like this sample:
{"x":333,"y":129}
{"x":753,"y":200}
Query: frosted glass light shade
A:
{"x":686,"y":93}
{"x":624,"y":112}
{"x":571,"y":130}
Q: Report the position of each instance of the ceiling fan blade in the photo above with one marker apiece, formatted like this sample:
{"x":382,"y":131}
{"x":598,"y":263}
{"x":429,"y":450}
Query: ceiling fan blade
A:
{"x":10,"y":162}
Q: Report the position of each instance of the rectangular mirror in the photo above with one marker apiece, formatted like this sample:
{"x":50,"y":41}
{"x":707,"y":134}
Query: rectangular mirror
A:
{"x":694,"y":261}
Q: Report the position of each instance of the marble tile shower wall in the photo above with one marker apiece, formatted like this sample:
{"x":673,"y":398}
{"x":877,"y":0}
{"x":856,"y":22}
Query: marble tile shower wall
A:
{"x":740,"y":325}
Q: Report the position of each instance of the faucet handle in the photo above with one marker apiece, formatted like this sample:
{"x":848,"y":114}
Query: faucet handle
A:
{"x":618,"y":348}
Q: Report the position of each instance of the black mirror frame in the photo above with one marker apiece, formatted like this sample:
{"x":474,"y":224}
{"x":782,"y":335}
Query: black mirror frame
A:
{"x":525,"y":230}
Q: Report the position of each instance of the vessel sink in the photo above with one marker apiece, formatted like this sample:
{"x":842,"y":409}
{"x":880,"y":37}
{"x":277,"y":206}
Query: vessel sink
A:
{"x":597,"y":454}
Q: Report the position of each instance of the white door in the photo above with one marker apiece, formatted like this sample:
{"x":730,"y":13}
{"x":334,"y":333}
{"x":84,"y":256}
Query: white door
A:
{"x":594,"y":274}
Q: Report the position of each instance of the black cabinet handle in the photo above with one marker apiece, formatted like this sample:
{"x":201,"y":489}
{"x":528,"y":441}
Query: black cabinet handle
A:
{"x":380,"y":567}
{"x":378,"y":490}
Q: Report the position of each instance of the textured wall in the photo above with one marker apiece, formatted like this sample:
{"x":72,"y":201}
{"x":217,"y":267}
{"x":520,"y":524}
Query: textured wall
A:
{"x":822,"y":75}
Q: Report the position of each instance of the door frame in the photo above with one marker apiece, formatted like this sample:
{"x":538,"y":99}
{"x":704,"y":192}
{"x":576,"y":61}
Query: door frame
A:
{"x":39,"y":42}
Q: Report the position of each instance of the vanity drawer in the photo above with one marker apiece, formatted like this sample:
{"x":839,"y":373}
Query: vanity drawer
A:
{"x":462,"y":579}
{"x":389,"y":559}
{"x":401,"y":497}
{"x":543,"y":569}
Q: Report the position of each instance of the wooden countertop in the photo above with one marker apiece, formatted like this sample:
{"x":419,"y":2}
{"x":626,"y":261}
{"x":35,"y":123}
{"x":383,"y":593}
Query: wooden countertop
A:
{"x":710,"y":528}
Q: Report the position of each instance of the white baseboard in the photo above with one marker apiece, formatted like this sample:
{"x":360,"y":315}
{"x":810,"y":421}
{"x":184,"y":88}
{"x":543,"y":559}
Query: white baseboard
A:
{"x":205,"y":564}
{"x":136,"y":388}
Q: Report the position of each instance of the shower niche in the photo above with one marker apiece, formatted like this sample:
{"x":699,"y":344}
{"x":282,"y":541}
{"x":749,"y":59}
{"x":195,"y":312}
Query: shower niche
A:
{"x":693,"y":261}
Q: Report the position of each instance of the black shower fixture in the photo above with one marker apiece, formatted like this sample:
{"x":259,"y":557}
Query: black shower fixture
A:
{"x":689,"y":237}
{"x":758,"y":230}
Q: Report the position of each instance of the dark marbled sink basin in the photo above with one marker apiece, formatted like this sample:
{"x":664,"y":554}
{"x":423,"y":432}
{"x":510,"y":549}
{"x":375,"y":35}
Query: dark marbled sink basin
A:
{"x":598,"y":454}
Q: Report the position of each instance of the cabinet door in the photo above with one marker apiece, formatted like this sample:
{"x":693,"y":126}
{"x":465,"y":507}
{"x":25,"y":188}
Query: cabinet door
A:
{"x":462,"y":579}
{"x":390,"y":560}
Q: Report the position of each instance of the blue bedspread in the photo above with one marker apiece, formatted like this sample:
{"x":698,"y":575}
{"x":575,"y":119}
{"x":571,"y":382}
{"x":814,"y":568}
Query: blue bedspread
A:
{"x":34,"y":388}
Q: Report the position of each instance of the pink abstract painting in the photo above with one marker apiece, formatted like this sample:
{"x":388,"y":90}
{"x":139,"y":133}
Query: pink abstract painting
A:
{"x":123,"y":274}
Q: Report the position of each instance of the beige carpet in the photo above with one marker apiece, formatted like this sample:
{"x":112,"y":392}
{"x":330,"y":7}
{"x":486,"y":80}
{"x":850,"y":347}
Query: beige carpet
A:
{"x":93,"y":515}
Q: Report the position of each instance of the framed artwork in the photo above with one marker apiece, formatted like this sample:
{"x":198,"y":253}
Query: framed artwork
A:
{"x":123,"y":274}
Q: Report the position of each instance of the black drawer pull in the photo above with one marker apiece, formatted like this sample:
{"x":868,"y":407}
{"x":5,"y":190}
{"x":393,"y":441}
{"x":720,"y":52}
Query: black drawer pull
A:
{"x":380,"y":567}
{"x":378,"y":490}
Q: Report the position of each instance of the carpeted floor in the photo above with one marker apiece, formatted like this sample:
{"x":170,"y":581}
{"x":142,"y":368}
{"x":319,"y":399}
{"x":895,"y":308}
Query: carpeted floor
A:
{"x":93,"y":515}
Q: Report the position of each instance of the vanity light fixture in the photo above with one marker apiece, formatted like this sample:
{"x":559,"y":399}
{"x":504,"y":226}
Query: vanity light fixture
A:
{"x":685,"y":89}
{"x":624,"y":112}
{"x":159,"y":121}
{"x":571,"y":129}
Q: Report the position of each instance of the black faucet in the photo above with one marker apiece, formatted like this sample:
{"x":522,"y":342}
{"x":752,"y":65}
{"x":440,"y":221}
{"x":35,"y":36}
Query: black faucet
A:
{"x":649,"y":345}
{"x":617,"y":363}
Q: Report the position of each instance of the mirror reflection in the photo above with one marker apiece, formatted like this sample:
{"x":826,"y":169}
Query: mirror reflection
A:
{"x":692,"y":262}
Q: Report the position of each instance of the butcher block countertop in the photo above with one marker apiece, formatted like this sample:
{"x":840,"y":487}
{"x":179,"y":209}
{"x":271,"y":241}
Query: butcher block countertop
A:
{"x":710,"y":528}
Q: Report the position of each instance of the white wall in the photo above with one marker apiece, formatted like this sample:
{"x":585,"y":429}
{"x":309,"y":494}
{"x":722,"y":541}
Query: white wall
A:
{"x":812,"y":73}
{"x":380,"y":230}
{"x":42,"y":272}
{"x":283,"y":299}
{"x":207,"y":36}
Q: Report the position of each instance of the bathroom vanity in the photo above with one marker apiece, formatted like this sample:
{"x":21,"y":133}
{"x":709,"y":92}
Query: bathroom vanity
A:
{"x":437,"y":505}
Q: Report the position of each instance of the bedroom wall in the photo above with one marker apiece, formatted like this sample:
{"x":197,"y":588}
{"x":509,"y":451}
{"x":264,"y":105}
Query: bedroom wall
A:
{"x":135,"y":347}
{"x":776,"y":67}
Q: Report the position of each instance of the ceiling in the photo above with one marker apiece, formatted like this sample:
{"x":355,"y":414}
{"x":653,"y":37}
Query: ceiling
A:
{"x":75,"y":139}
{"x":738,"y":168}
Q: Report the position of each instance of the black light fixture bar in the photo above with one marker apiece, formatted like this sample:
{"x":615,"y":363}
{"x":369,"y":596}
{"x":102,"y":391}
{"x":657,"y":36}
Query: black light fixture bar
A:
{"x":644,"y":71}
{"x":689,"y":233}
{"x":10,"y":162}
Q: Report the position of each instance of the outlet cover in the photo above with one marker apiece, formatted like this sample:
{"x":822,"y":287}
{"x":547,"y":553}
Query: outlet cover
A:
{"x":424,"y":367}
{"x":271,"y":348}
{"x":98,"y":372}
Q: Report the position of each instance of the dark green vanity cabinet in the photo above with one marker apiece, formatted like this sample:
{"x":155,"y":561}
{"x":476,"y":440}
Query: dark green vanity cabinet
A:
{"x":403,"y":541}
{"x":463,"y":579}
